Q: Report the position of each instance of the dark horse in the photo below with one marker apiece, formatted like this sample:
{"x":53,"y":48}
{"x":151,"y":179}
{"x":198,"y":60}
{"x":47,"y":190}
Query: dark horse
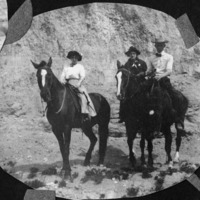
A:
{"x":127,"y":88}
{"x":149,"y":110}
{"x":63,"y":115}
{"x":163,"y":108}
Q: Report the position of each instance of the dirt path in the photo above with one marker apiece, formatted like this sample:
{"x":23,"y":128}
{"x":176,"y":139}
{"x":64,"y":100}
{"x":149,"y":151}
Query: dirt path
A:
{"x":30,"y":152}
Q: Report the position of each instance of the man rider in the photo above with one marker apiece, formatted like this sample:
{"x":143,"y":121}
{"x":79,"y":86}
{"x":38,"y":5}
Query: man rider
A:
{"x":137,"y":67}
{"x":162,"y":63}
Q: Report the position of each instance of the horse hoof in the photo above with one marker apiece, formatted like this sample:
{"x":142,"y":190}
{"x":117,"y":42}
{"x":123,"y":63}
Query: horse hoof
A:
{"x":65,"y":175}
{"x":176,"y":160}
{"x":150,"y":163}
{"x":170,"y":164}
{"x":101,"y":165}
{"x":133,"y":162}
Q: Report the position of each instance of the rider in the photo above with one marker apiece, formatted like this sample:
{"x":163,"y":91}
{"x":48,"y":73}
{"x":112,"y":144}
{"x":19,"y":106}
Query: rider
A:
{"x":137,"y":67}
{"x":74,"y":73}
{"x":162,"y":64}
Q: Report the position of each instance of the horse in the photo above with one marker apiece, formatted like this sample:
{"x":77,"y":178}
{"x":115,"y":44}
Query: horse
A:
{"x":127,"y":93}
{"x":63,"y":115}
{"x":163,"y":108}
{"x":150,"y":111}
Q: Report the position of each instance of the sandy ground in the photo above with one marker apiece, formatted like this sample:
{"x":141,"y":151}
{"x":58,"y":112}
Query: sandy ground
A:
{"x":28,"y":149}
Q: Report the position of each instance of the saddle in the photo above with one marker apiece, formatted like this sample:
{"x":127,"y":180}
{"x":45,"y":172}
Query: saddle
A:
{"x":75,"y":97}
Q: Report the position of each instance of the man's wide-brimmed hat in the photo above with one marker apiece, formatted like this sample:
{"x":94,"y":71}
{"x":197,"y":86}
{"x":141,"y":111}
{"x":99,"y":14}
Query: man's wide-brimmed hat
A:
{"x":160,"y":40}
{"x":71,"y":54}
{"x":132,"y":49}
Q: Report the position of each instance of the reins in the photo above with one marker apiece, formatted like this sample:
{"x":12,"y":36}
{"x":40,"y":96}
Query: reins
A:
{"x":43,"y":110}
{"x":129,"y":76}
{"x":62,"y":102}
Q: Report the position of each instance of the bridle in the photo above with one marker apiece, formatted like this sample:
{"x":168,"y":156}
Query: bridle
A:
{"x":50,"y":86}
{"x":129,"y":76}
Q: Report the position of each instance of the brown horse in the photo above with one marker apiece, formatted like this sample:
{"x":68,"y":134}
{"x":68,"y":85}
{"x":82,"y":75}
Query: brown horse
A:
{"x":63,"y":115}
{"x":149,"y":109}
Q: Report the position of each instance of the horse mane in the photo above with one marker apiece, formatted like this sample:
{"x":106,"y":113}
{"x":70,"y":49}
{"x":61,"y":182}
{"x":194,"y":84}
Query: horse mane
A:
{"x":57,"y":81}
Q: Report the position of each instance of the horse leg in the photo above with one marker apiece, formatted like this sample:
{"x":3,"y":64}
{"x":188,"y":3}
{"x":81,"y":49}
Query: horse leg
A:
{"x":178,"y":142}
{"x":103,"y":137}
{"x":131,"y":134}
{"x":142,"y":146}
{"x":150,"y":150}
{"x":89,"y":133}
{"x":168,"y":143}
{"x":67,"y":139}
{"x":59,"y":135}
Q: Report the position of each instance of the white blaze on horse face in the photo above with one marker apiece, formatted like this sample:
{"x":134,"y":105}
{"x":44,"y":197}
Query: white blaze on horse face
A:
{"x":43,"y":74}
{"x":119,"y":81}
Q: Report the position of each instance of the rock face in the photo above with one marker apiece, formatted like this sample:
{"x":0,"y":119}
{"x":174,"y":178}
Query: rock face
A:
{"x":102,"y":32}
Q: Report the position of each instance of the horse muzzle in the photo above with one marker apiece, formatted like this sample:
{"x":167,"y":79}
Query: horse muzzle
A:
{"x":46,"y":96}
{"x":120,"y":97}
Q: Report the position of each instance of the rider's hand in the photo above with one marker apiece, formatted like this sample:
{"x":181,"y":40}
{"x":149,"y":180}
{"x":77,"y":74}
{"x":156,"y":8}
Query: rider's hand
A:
{"x":63,"y":81}
{"x":78,"y":85}
{"x":158,"y":77}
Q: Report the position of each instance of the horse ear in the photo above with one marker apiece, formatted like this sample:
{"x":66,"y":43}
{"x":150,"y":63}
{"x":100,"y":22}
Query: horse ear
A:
{"x":118,"y":64}
{"x":49,"y":62}
{"x":34,"y":64}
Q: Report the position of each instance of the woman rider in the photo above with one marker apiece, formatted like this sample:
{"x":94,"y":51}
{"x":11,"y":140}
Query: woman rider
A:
{"x":74,"y":74}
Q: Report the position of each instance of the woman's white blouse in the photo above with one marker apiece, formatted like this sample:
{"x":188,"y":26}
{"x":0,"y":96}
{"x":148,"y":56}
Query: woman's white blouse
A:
{"x":75,"y":72}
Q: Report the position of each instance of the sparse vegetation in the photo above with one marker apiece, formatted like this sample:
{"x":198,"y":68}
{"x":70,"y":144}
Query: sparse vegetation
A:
{"x":50,"y":171}
{"x":102,"y":196}
{"x":159,"y":184}
{"x":94,"y":175}
{"x":74,"y":175}
{"x":35,"y":184}
{"x":187,"y":168}
{"x":33,"y":171}
{"x":160,"y":180}
{"x":97,"y":175}
{"x":11,"y":163}
{"x":62,"y":184}
{"x":146,"y":174}
{"x":132,"y":192}
{"x":31,"y":175}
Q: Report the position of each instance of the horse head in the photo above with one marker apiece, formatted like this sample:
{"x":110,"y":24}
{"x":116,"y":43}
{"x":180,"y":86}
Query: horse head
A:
{"x":153,"y":112}
{"x":44,"y":78}
{"x":127,"y":83}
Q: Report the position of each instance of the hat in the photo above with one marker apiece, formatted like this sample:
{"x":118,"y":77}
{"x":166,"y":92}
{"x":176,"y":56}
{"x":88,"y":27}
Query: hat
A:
{"x":74,"y":53}
{"x":132,"y":49}
{"x":160,"y":40}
